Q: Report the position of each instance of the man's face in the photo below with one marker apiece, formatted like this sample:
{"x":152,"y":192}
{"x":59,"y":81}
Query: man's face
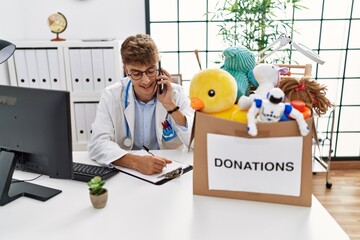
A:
{"x":143,"y":79}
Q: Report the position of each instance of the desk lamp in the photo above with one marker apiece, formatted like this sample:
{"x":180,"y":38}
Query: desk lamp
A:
{"x":6,"y":50}
{"x":283,"y":39}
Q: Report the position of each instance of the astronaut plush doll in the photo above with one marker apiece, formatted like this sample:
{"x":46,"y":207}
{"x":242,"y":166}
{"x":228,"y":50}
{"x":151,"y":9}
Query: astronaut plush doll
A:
{"x":271,"y":109}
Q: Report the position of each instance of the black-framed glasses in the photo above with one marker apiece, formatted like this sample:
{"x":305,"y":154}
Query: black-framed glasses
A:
{"x":137,"y":75}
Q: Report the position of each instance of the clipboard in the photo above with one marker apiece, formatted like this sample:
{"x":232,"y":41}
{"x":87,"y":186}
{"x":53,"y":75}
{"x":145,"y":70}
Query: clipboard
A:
{"x":173,"y":170}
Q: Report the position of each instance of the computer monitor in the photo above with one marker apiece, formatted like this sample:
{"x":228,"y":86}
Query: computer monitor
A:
{"x":35,"y":136}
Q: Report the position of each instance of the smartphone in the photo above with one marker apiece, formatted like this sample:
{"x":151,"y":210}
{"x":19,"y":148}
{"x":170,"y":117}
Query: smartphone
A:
{"x":161,"y":86}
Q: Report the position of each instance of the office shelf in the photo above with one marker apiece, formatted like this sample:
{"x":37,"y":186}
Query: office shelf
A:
{"x":84,"y":68}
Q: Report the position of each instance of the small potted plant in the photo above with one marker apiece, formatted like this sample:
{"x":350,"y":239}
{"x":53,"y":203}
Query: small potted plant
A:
{"x":98,"y":194}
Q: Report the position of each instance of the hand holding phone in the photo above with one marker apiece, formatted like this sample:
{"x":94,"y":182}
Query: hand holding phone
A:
{"x":161,"y":86}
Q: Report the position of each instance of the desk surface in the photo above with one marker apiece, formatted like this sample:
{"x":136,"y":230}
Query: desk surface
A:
{"x":140,"y":210}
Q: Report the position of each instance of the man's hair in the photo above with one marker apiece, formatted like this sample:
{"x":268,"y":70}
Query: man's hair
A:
{"x":139,"y":49}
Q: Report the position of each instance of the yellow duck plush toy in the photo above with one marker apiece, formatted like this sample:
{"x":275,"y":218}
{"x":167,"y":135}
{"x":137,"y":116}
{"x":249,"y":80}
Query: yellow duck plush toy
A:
{"x":213,"y":91}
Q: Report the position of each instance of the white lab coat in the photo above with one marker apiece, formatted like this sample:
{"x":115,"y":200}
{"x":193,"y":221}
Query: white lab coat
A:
{"x":109,"y":128}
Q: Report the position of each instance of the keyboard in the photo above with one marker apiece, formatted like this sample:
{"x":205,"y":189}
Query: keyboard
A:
{"x":85,"y":172}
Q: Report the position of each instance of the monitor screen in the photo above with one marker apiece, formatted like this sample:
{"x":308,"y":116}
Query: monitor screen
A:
{"x":35,"y":136}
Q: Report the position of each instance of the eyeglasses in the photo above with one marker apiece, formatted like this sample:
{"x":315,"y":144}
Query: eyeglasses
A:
{"x":137,"y":75}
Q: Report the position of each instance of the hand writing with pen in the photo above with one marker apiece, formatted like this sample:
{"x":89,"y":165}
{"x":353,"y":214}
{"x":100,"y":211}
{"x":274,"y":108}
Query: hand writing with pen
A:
{"x":145,"y":164}
{"x":151,"y":164}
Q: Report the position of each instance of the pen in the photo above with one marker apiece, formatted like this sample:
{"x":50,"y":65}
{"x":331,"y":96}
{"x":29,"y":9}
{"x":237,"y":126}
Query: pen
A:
{"x":148,"y":151}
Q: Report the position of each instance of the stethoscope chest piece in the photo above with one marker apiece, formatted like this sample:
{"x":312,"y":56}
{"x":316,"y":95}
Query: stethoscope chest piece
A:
{"x":127,"y":142}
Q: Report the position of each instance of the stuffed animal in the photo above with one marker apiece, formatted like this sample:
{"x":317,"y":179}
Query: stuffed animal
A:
{"x":301,"y":107}
{"x":271,"y":109}
{"x":266,"y":77}
{"x":213,"y":91}
{"x":239,"y":61}
{"x":307,"y":90}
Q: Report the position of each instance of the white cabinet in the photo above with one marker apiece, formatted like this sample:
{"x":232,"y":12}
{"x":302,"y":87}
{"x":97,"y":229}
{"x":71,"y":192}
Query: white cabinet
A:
{"x":82,"y":68}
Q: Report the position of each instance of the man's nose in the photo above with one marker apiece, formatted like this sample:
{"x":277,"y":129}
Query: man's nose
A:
{"x":145,"y":78}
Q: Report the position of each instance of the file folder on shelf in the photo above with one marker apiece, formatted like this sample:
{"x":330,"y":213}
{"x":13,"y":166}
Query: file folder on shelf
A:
{"x":86,"y":70}
{"x":21,"y":68}
{"x":56,"y":76}
{"x":43,"y":68}
{"x":31,"y":64}
{"x":109,"y":66}
{"x":80,"y":122}
{"x":98,"y":69}
{"x":90,"y":113}
{"x":75,"y":69}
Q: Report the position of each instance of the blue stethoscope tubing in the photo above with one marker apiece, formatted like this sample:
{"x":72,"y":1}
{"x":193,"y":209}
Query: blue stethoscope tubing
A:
{"x":127,"y":141}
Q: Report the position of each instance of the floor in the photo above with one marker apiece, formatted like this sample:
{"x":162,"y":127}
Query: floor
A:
{"x":342,"y":200}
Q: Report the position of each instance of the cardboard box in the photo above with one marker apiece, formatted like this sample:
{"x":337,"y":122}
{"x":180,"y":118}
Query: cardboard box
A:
{"x":237,"y":163}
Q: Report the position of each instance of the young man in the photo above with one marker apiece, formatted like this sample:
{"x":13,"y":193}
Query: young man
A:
{"x":133,"y":113}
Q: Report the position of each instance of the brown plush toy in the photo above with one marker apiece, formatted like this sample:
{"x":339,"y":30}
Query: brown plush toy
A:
{"x":309,"y":91}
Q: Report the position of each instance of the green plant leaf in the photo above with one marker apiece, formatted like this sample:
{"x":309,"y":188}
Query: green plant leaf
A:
{"x":254,"y":24}
{"x":95,"y":185}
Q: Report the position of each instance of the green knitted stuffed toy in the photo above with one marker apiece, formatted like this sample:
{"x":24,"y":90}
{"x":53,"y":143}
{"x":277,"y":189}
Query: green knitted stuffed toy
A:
{"x":240,"y":62}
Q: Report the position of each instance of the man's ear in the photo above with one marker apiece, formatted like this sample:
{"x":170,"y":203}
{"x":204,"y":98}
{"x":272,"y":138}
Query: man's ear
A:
{"x":125,"y":70}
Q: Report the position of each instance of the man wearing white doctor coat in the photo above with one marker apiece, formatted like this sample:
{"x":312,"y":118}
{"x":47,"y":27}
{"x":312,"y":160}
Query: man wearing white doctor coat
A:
{"x":133,"y":114}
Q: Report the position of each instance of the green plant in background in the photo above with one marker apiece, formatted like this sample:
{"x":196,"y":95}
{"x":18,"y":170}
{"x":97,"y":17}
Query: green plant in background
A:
{"x":254,"y":24}
{"x":96,"y":186}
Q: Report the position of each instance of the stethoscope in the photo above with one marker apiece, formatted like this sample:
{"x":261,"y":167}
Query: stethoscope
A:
{"x":127,"y":141}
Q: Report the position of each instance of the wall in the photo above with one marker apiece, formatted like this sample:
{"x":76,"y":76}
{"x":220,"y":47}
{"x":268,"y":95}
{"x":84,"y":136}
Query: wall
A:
{"x":87,"y":19}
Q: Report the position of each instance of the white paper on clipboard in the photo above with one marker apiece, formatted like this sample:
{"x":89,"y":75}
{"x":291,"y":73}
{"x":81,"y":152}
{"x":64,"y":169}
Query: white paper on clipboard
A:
{"x":155,"y":178}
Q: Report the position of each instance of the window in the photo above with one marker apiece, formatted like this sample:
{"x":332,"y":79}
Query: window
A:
{"x":329,"y":28}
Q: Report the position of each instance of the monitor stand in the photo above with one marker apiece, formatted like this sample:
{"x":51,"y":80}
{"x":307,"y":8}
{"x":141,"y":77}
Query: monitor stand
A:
{"x":11,"y":189}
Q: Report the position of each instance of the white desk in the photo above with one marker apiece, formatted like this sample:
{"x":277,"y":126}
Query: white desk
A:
{"x":139,"y":210}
